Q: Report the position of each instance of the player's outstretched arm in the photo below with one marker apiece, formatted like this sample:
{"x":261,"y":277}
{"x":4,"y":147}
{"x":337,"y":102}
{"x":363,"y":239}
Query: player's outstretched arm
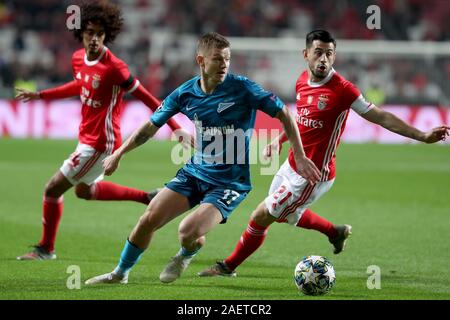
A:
{"x":70,"y":89}
{"x":26,"y":95}
{"x":389,"y":121}
{"x":307,"y":169}
{"x":139,"y":137}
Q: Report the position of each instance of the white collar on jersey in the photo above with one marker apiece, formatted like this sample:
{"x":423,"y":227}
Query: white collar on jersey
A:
{"x":94,"y":62}
{"x":322,"y":82}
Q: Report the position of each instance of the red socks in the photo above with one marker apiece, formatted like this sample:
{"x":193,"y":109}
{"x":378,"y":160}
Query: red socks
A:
{"x":105,"y":190}
{"x":250,"y":241}
{"x":311,"y":220}
{"x":53,"y":207}
{"x":253,"y":237}
{"x":52,"y":212}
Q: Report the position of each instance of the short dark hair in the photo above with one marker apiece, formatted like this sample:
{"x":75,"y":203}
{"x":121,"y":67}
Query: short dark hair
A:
{"x":212,"y":40}
{"x":100,"y":12}
{"x":321,"y":35}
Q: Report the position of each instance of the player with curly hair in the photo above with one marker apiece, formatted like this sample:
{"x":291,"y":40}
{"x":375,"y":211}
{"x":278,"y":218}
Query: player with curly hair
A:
{"x":100,"y":80}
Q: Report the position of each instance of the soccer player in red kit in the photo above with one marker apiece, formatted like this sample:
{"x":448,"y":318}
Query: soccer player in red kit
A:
{"x":100,"y":79}
{"x":324,"y":99}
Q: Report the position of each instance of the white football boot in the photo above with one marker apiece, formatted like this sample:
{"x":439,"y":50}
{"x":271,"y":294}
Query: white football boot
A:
{"x":107,"y":278}
{"x":174,"y":268}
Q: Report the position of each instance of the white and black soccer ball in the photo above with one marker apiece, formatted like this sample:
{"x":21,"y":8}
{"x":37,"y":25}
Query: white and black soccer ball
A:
{"x":314,"y":275}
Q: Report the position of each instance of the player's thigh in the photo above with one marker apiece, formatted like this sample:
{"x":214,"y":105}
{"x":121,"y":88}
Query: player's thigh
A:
{"x":57,"y":185}
{"x":293,"y":213}
{"x":201,"y":221}
{"x":165,"y":206}
{"x":216,"y":206}
{"x":262,"y":216}
{"x":84,"y":165}
{"x":288,"y":191}
{"x":226,"y":200}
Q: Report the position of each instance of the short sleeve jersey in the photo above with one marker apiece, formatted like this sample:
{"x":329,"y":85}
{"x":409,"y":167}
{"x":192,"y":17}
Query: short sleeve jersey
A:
{"x":224,"y":122}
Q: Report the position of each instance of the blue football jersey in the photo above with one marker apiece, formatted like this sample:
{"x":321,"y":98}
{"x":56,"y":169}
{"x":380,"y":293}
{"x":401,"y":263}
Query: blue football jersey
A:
{"x":224,"y":122}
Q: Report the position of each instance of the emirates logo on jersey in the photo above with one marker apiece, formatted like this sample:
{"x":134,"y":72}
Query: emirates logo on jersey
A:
{"x":303,"y":118}
{"x":322,"y":104}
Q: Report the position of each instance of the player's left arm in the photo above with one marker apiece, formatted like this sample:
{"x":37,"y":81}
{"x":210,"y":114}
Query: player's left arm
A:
{"x":392,"y":123}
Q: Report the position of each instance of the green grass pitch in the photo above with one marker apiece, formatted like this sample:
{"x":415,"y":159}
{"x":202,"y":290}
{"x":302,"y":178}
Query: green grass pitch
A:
{"x":396,"y":198}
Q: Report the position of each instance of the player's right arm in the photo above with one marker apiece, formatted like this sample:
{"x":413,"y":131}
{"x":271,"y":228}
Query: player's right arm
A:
{"x":139,"y":137}
{"x":70,"y":89}
{"x":275,"y":146}
{"x":168,"y":108}
{"x":132,"y":85}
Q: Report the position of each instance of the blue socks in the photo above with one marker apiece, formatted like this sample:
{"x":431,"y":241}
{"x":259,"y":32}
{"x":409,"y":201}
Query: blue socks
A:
{"x":129,"y":257}
{"x":187,"y":254}
{"x":131,"y":254}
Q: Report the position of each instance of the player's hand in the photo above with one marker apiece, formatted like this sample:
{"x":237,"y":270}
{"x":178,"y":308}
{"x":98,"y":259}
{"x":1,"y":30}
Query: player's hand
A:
{"x":436,"y":134}
{"x":26,"y":95}
{"x":111,"y":163}
{"x":186,"y":139}
{"x":307,"y":169}
{"x":273,"y":148}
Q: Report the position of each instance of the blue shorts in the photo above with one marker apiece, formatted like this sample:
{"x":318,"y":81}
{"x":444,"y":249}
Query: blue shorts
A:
{"x":198,"y":191}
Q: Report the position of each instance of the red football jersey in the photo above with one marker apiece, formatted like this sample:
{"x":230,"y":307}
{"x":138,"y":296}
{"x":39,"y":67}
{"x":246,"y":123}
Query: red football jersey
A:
{"x":103,"y":83}
{"x":322,"y":110}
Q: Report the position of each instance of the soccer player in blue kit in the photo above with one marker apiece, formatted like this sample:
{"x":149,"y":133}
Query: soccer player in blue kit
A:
{"x":223,"y":107}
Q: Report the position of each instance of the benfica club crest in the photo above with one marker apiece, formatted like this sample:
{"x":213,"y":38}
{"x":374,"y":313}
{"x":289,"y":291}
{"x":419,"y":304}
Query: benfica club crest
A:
{"x":323,"y":100}
{"x":96,"y":81}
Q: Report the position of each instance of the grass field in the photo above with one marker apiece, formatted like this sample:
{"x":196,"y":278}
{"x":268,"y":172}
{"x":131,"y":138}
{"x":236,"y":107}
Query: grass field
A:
{"x":396,"y":197}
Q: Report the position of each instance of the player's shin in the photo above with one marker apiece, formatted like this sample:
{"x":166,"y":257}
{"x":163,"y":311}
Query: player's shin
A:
{"x":106,"y":190}
{"x":311,"y":220}
{"x":51,"y":216}
{"x":129,"y":257}
{"x":252,"y":238}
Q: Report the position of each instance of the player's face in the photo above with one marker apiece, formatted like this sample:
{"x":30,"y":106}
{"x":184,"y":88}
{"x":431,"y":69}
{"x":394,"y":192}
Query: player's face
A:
{"x":93,"y":38}
{"x":320,"y":58}
{"x":215,"y":63}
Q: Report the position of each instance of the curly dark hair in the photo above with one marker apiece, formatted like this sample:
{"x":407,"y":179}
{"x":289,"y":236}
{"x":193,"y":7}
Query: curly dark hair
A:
{"x":107,"y":14}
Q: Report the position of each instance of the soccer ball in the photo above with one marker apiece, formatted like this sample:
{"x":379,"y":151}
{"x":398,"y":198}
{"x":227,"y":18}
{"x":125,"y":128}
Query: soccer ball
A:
{"x":314,"y":275}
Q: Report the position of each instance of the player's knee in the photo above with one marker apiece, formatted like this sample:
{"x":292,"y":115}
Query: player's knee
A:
{"x":187,"y":233}
{"x":262,"y":216}
{"x":148,"y":223}
{"x":51,"y":190}
{"x":83,"y":192}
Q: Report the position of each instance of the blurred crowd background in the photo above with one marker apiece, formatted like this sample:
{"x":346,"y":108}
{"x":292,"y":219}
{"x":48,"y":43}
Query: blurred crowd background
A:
{"x":36,"y":47}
